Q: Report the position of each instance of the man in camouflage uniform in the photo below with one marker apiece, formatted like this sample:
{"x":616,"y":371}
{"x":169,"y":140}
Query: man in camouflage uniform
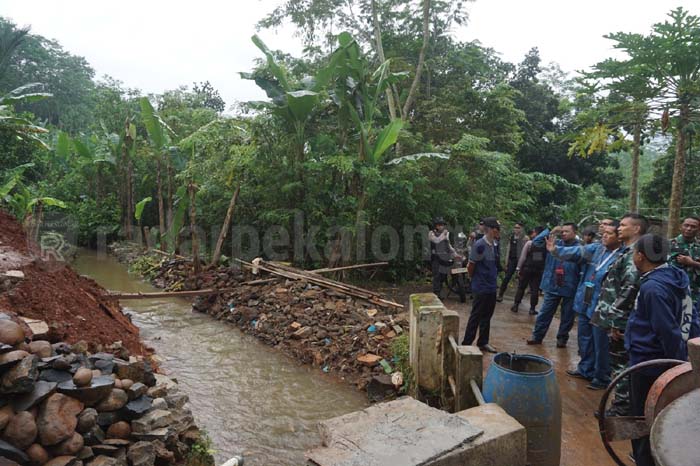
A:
{"x":618,"y":293}
{"x":685,"y":254}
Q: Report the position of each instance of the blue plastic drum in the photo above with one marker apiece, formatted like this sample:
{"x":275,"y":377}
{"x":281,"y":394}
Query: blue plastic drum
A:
{"x":525,"y":386}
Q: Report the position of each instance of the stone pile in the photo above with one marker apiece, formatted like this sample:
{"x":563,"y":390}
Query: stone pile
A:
{"x":339,"y":334}
{"x":321,"y":327}
{"x":62,"y":406}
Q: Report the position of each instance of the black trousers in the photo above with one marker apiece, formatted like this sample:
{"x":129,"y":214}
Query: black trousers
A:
{"x":480,"y":319}
{"x":438,"y":277}
{"x":510,"y":271}
{"x":640,"y":384}
{"x":529,"y":279}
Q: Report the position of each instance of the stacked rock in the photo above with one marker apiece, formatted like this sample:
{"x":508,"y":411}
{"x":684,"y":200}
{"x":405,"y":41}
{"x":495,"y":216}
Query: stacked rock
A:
{"x":61,"y":406}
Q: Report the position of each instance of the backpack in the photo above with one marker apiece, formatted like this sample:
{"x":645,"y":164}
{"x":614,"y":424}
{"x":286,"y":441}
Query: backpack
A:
{"x":536,"y":257}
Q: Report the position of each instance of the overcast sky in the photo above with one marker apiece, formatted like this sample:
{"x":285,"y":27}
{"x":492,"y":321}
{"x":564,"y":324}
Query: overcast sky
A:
{"x":156,"y":45}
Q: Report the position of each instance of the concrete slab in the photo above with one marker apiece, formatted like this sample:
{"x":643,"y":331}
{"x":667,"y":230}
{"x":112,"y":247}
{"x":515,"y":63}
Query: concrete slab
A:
{"x":402,"y":432}
{"x":503,"y":443}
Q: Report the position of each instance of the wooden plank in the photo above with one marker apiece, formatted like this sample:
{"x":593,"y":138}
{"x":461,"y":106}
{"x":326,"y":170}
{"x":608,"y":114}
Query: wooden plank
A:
{"x":344,"y":288}
{"x":477,"y":393}
{"x":350,"y":267}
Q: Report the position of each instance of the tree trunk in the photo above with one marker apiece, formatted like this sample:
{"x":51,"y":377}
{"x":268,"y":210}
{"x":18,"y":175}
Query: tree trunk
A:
{"x":127,"y":169}
{"x":130,"y":198}
{"x":224,"y":230}
{"x":634,"y":177}
{"x":674,"y":208}
{"x":192,"y":189}
{"x":421,"y":61}
{"x":161,"y":210}
{"x":382,"y":58}
{"x":38,"y":218}
{"x":169,"y":214}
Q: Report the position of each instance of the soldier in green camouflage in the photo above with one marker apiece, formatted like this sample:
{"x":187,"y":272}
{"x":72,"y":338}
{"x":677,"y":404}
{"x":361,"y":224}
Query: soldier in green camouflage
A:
{"x":685,"y":254}
{"x":617,"y":296}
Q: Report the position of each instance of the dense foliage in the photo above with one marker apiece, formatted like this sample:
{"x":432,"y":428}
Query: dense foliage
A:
{"x":361,"y":142}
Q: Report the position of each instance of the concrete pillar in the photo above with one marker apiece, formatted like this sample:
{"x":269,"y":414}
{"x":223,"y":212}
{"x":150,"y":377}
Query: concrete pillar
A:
{"x":469,"y":366}
{"x":425,"y":340}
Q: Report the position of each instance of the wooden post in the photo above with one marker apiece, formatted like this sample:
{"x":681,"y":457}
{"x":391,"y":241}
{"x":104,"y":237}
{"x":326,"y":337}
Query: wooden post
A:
{"x":192,"y":188}
{"x":224,"y":230}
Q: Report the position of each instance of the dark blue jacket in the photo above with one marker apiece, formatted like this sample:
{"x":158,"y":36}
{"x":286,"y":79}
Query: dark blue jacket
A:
{"x":663,"y":318}
{"x":572,"y":270}
{"x":595,"y":261}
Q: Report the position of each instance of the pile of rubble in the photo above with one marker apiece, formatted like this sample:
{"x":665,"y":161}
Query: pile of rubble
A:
{"x":340,"y":334}
{"x":321,"y":327}
{"x":60,"y":405}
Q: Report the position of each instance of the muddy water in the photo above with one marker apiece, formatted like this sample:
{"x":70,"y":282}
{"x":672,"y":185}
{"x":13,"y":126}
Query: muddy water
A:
{"x":251,"y":399}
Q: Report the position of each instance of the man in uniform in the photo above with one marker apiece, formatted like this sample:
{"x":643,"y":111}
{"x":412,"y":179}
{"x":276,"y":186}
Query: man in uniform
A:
{"x":685,"y":254}
{"x":515,"y":247}
{"x":616,"y":301}
{"x":441,"y":254}
{"x":530,"y":269}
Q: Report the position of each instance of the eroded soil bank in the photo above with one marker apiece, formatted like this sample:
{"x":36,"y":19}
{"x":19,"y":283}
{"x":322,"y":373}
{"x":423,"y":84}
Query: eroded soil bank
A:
{"x":77,"y":386}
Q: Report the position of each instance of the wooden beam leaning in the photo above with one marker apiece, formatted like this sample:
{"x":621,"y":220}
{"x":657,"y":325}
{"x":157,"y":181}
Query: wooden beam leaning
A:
{"x":278,"y":270}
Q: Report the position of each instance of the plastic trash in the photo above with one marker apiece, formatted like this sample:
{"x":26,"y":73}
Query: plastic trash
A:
{"x":386,"y":366}
{"x":325,"y":369}
{"x":235,"y":461}
{"x":371,"y":329}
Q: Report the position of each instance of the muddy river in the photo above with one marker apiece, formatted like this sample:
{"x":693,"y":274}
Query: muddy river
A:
{"x":250,"y":399}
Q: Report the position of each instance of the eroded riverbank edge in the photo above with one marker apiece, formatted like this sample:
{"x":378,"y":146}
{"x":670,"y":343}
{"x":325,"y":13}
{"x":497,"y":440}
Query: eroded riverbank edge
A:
{"x":77,"y":385}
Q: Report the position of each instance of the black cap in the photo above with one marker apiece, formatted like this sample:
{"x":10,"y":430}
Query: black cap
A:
{"x":439,"y":221}
{"x":491,"y":222}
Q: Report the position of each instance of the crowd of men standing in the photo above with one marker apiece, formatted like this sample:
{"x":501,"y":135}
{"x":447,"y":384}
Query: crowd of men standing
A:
{"x":634,"y":294}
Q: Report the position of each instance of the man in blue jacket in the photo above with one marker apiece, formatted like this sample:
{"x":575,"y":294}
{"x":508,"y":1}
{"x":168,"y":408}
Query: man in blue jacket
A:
{"x":595,"y":260}
{"x":559,"y":283}
{"x":659,"y":327}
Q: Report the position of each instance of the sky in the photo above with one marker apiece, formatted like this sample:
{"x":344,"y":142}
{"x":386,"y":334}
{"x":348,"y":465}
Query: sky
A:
{"x":155,"y":45}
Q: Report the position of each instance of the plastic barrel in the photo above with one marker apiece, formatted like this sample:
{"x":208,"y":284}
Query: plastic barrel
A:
{"x":525,"y":386}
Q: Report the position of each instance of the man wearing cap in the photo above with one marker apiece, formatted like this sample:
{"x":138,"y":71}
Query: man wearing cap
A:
{"x":441,"y":254}
{"x":483,"y":267}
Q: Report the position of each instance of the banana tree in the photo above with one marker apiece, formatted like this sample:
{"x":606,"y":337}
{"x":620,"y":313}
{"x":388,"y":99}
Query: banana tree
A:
{"x":90,"y":155}
{"x":158,"y":132}
{"x":22,"y":128}
{"x":25,"y":205}
{"x":293,"y":101}
{"x":358,"y":92}
{"x":138,"y":213}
